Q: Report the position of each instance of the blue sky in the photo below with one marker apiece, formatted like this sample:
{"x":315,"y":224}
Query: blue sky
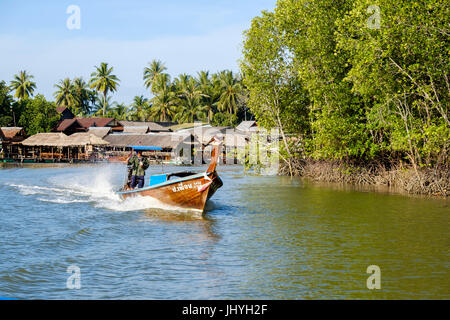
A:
{"x":188,"y":36}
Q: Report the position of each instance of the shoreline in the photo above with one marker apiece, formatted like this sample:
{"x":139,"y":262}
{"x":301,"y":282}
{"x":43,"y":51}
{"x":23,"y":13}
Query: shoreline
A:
{"x":398,"y":178}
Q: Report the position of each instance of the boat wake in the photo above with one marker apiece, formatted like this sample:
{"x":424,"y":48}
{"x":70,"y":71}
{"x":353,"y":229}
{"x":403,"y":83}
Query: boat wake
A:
{"x":97,"y":189}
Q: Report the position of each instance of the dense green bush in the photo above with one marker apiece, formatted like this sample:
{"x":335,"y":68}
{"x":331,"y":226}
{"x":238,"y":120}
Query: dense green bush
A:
{"x":354,"y":79}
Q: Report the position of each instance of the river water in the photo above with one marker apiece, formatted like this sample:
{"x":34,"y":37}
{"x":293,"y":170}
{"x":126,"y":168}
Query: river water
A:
{"x":263,"y":237}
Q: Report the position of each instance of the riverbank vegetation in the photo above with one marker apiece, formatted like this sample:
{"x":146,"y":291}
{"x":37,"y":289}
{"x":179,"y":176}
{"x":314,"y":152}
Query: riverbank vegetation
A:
{"x":364,"y":88}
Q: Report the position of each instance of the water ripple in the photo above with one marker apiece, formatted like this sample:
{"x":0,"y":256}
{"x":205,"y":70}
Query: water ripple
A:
{"x":262,"y":238}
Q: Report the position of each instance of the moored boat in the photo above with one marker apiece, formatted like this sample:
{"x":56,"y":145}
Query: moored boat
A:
{"x":184,"y":190}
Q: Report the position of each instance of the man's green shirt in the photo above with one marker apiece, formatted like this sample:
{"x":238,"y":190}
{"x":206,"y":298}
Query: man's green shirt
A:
{"x":138,"y":170}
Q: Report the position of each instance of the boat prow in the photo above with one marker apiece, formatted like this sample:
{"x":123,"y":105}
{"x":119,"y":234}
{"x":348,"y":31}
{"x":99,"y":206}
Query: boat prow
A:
{"x":185,"y":190}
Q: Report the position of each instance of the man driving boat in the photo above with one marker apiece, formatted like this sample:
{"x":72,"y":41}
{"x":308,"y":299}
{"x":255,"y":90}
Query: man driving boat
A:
{"x":138,"y":165}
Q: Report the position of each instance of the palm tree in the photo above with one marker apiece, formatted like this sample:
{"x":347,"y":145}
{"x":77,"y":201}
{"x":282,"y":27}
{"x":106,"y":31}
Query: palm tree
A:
{"x":164,"y":101}
{"x":190,"y":101}
{"x":103,"y":82}
{"x":103,"y":107}
{"x":139,"y":108}
{"x":23,"y":85}
{"x":65,"y":94}
{"x":209,"y":91}
{"x":152,"y":72}
{"x":190,"y":110}
{"x":232,"y":90}
{"x":121,"y":111}
{"x":191,"y":89}
{"x":180,"y":83}
{"x":82,"y":96}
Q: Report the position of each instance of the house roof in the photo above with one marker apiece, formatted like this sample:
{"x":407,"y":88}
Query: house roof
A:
{"x":152,"y":126}
{"x":59,"y":139}
{"x":166,"y":123}
{"x":236,"y":139}
{"x":103,"y":122}
{"x":142,"y":129}
{"x":100,"y":131}
{"x":66,"y":123}
{"x":62,"y":109}
{"x":84,"y":123}
{"x":247,"y":126}
{"x":166,"y":141}
{"x":94,"y":122}
{"x":188,"y":125}
{"x":11,"y":132}
{"x":205,"y":133}
{"x":2,"y":136}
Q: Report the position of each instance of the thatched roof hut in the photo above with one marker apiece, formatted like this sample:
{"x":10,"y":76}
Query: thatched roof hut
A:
{"x":86,"y":139}
{"x":2,"y":136}
{"x":13,"y":134}
{"x":52,"y":139}
{"x":48,"y":139}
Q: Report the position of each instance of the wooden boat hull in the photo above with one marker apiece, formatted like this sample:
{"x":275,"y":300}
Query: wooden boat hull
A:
{"x":190,"y":193}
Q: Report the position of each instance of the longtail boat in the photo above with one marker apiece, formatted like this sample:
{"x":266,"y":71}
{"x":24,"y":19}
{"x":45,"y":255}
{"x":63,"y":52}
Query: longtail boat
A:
{"x":184,"y":190}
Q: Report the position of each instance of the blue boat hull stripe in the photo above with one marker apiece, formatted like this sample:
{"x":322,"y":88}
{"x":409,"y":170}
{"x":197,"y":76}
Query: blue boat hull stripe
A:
{"x":167,"y":183}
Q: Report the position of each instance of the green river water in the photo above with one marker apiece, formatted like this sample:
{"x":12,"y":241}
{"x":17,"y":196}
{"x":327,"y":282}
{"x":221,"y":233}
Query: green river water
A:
{"x":263,"y":237}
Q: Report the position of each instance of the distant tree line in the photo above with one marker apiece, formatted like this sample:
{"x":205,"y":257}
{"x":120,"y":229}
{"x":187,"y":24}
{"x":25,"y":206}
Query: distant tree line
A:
{"x":218,"y":98}
{"x":352,"y":80}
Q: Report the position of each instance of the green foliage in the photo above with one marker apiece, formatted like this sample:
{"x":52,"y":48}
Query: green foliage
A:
{"x":23,"y":85}
{"x":84,"y":98}
{"x":163,"y":104}
{"x":190,"y":99}
{"x":276,"y":96}
{"x":152,"y":72}
{"x":231,"y":90}
{"x":224,"y":119}
{"x":353,"y":89}
{"x":185,"y":99}
{"x":103,"y":81}
{"x":6,"y":106}
{"x":38,"y":115}
{"x":121,"y":112}
{"x":402,"y":70}
{"x":65,"y":96}
{"x":139,"y":109}
{"x":75,"y":95}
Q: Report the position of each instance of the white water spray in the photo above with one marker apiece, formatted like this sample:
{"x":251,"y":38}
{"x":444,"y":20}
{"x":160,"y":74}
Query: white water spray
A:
{"x":98,"y":187}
